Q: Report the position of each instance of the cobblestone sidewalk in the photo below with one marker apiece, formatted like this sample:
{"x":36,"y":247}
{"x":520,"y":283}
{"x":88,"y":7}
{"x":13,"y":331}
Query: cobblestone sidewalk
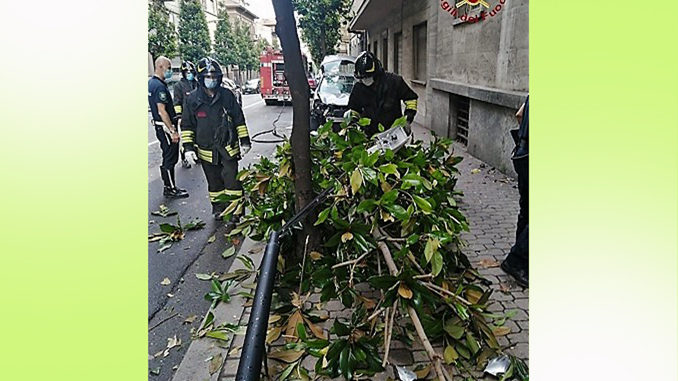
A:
{"x":490,"y":203}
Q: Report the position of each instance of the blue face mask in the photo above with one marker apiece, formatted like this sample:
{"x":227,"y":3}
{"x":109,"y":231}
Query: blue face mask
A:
{"x":210,"y":83}
{"x":189,"y":76}
{"x":168,"y":73}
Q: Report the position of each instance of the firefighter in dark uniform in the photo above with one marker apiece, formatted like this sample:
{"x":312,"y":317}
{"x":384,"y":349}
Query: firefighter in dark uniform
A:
{"x":377,"y":95}
{"x":160,"y":102}
{"x":187,"y":84}
{"x":215,"y":133}
{"x":517,"y":262}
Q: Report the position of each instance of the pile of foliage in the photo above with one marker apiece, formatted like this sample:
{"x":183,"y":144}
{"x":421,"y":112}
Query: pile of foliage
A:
{"x":390,"y":253}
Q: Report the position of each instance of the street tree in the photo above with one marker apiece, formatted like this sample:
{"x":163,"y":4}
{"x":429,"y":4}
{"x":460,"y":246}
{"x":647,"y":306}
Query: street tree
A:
{"x":162,"y":38}
{"x":286,"y":29}
{"x":320,"y":22}
{"x":224,"y":41}
{"x":194,"y":37}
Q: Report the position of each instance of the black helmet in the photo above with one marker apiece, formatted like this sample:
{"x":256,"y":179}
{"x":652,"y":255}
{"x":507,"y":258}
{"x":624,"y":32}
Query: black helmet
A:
{"x":367,"y":65}
{"x":209,"y":65}
{"x":187,"y":66}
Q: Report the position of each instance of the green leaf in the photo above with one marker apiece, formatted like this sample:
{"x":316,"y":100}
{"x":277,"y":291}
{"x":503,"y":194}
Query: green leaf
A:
{"x":228,"y":252}
{"x":168,"y":228}
{"x":437,"y":264}
{"x":364,"y":122}
{"x":322,"y":216}
{"x":431,"y":247}
{"x":472,"y":343}
{"x":454,"y":330}
{"x":287,"y":372}
{"x":410,"y":180}
{"x":389,"y":197}
{"x":398,"y":211}
{"x":356,"y":181}
{"x":366,"y":206}
{"x":221,"y":335}
{"x":423,"y":204}
{"x":450,"y":355}
{"x":390,"y":169}
{"x":301,"y":331}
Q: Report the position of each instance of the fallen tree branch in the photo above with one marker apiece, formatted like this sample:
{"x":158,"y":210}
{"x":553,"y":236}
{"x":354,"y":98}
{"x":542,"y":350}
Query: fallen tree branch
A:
{"x":389,"y":332}
{"x":446,"y":292}
{"x":351,"y":262}
{"x":435,"y":358}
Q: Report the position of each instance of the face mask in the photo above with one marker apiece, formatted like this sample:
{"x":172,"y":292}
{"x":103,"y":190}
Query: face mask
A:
{"x":210,"y":83}
{"x":189,"y":76}
{"x":369,"y":81}
{"x":168,"y":73}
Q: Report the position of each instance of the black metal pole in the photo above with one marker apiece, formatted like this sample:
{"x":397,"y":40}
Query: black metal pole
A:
{"x":254,"y":348}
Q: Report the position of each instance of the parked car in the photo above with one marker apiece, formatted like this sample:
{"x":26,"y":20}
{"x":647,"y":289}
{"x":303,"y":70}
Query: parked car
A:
{"x":229,"y":84}
{"x":337,"y":64}
{"x":251,"y":87}
{"x":330,"y":100}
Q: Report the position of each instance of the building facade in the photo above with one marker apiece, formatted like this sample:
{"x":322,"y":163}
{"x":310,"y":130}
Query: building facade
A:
{"x":469,"y":65}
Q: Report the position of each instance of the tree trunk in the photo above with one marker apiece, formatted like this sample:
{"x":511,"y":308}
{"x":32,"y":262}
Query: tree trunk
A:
{"x":286,"y":29}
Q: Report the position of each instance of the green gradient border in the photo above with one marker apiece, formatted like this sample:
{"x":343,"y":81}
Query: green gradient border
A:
{"x":73,"y":266}
{"x":604,"y":109}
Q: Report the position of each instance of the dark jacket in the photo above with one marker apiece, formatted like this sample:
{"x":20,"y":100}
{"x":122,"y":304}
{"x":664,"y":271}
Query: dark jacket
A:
{"x":181,"y":91}
{"x":213,"y":126}
{"x":522,"y":137}
{"x":381,"y":101}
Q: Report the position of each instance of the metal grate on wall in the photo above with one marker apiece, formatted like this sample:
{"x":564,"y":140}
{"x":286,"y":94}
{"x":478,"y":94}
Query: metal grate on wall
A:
{"x":462,"y":106}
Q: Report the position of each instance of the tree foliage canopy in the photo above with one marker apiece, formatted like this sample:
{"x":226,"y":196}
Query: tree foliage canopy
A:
{"x":194,"y":36}
{"x":224,"y":40}
{"x":320,"y":22}
{"x":162,"y":39}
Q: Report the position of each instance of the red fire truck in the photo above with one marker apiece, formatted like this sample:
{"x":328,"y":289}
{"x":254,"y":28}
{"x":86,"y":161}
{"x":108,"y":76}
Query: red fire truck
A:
{"x":273,"y":84}
{"x":272,"y":80}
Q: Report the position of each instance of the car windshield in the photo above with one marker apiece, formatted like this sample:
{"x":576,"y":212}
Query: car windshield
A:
{"x":337,"y":85}
{"x":339,"y":68}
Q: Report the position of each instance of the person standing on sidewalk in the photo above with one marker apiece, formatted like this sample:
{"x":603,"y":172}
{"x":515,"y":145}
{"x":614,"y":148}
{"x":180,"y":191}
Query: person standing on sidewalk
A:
{"x":184,"y":87}
{"x":517,"y":261}
{"x":214,"y":132}
{"x":160,"y":102}
{"x":377,"y":95}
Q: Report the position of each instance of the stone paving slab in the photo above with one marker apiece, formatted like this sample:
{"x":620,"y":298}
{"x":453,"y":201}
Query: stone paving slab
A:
{"x":490,"y":203}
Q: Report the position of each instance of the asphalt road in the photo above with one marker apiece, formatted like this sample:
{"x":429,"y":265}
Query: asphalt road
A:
{"x":169,"y":305}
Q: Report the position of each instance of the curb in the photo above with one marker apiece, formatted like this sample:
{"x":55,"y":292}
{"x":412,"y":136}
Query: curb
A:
{"x":196,"y":362}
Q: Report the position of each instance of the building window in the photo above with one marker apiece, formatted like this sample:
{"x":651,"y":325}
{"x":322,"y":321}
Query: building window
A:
{"x":384,"y":53}
{"x":462,"y":106}
{"x":419,"y":49}
{"x":397,"y":52}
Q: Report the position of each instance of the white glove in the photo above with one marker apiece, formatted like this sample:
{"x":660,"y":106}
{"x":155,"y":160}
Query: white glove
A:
{"x":245,"y":148}
{"x":191,"y":157}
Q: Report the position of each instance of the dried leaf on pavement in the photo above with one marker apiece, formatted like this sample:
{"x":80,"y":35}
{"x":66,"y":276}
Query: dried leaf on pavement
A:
{"x":273,"y":335}
{"x":163,"y":211}
{"x":287,"y":356}
{"x":203,"y":276}
{"x":212,"y":239}
{"x":235,"y":351}
{"x":165,"y":282}
{"x":228,"y":252}
{"x":504,"y":287}
{"x":295,"y":319}
{"x":190,"y":319}
{"x":215,"y":363}
{"x":501,"y":331}
{"x":317,"y":330}
{"x":488,"y":263}
{"x":475,"y":170}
